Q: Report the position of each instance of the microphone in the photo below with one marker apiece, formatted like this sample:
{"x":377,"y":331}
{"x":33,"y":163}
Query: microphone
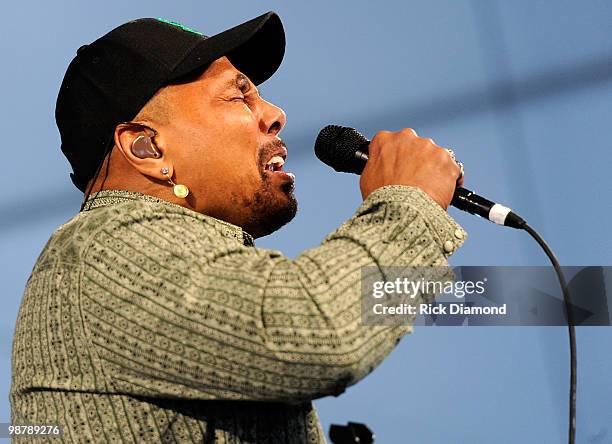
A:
{"x":346,"y":151}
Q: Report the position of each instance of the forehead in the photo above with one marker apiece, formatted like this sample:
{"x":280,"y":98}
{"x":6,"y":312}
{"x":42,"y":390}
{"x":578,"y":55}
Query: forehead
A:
{"x":221,"y":72}
{"x":220,"y":76}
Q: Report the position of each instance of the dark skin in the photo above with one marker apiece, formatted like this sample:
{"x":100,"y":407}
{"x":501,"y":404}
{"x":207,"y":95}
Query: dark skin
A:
{"x":215,"y":133}
{"x":215,"y":143}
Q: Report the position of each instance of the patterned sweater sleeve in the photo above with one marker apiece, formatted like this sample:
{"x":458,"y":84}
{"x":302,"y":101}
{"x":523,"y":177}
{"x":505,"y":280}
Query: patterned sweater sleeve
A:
{"x":173,"y":312}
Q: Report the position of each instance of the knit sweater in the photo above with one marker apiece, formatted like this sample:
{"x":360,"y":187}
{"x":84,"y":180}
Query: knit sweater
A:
{"x":144,"y":321}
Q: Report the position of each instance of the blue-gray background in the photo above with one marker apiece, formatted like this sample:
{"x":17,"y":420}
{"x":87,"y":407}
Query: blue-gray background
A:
{"x":521,"y":90}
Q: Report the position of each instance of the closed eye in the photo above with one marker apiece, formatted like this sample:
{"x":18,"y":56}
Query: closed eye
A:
{"x":246,"y":98}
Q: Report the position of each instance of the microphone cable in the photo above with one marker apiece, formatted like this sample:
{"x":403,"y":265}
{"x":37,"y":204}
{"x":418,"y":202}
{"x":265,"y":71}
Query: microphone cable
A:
{"x":570,"y":326}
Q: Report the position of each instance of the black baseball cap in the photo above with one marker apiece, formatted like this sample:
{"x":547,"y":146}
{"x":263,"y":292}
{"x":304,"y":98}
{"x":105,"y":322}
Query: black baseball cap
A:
{"x":111,"y":79}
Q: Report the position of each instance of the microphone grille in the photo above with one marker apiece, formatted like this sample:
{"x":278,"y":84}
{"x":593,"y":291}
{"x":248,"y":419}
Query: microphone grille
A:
{"x":336,"y":146}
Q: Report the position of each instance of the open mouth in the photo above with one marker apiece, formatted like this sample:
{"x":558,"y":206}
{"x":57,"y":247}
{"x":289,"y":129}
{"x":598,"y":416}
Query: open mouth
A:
{"x":274,"y":164}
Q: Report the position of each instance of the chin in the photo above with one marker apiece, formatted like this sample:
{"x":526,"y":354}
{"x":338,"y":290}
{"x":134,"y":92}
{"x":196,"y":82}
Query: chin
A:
{"x":272,"y":214}
{"x":269,"y":208}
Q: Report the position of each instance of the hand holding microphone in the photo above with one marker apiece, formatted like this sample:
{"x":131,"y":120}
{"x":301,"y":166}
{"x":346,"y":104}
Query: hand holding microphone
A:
{"x":404,"y":158}
{"x":411,"y":160}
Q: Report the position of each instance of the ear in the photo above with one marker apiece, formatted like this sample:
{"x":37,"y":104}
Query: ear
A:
{"x":126,"y":134}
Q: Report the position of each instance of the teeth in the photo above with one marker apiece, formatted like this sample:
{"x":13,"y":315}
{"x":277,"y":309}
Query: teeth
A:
{"x":278,"y":160}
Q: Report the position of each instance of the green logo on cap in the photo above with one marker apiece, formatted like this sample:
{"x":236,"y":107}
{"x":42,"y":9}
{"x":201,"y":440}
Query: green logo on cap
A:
{"x":178,"y":25}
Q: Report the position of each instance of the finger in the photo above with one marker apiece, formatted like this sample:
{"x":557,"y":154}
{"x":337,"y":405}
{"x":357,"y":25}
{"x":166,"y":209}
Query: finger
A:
{"x":409,"y":132}
{"x":460,"y":179}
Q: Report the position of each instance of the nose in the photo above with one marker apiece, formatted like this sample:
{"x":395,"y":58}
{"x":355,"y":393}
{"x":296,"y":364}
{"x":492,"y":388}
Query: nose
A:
{"x":273,"y":119}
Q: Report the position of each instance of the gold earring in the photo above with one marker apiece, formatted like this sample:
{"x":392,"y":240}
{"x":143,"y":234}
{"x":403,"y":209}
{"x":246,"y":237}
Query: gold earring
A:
{"x":180,"y":190}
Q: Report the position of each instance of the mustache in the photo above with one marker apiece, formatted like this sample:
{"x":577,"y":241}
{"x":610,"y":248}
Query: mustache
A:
{"x":268,"y":148}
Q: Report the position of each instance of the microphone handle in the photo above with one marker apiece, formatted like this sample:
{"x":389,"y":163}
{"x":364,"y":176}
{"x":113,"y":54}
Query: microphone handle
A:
{"x":467,"y":200}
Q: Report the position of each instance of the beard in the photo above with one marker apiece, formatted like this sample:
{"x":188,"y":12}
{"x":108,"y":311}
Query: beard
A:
{"x":271,"y":207}
{"x":268,"y":211}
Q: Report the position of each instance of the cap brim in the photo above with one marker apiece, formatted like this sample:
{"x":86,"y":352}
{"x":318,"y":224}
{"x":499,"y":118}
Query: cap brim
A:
{"x":256,"y":48}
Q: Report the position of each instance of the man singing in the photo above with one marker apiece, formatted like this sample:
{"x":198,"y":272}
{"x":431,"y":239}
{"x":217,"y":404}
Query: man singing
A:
{"x":151,"y":316}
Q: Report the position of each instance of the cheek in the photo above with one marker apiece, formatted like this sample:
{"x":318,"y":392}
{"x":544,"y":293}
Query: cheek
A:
{"x":226,"y":171}
{"x":221,"y":151}
{"x":234,"y":150}
{"x":237,"y":135}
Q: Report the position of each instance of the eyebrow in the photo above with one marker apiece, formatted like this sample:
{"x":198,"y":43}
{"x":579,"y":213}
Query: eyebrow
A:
{"x":241,"y":82}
